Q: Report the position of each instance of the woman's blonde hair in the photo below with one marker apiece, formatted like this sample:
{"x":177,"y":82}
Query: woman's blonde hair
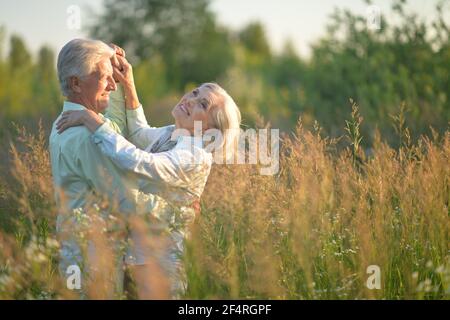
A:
{"x":226,"y":118}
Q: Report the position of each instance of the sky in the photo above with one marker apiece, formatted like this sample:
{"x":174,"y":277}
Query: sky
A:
{"x":301,"y":21}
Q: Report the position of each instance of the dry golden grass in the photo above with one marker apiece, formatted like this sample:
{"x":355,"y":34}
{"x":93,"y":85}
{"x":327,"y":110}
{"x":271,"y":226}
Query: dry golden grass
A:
{"x":309,"y":232}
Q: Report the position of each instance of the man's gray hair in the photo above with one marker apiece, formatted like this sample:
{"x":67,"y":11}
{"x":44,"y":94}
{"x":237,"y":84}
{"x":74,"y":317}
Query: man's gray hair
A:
{"x":79,"y":57}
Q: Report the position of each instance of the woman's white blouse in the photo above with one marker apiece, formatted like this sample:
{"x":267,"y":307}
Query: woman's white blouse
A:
{"x":178,"y":175}
{"x":169,"y":181}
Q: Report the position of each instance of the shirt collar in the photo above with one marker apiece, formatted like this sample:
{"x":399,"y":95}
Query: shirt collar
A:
{"x":72,"y":106}
{"x":69,"y":106}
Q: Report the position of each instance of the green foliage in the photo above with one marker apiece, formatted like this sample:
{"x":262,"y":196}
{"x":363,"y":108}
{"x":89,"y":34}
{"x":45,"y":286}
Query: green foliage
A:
{"x":309,"y":232}
{"x":353,"y":132}
{"x":175,"y":45}
{"x":253,"y":37}
{"x":28,"y":88}
{"x":19,"y":58}
{"x":184,"y":33}
{"x":402,"y":62}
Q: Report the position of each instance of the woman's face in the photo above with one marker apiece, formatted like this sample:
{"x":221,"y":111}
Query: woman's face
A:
{"x":194,"y":106}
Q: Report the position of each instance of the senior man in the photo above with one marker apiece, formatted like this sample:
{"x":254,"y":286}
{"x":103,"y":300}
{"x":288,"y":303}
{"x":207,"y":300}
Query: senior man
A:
{"x":82,"y":175}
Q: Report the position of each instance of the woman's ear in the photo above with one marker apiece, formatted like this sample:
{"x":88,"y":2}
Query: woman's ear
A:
{"x":74,"y":83}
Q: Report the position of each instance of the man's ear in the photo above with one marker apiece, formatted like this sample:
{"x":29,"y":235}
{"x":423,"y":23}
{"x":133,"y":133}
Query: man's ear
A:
{"x":74,"y":83}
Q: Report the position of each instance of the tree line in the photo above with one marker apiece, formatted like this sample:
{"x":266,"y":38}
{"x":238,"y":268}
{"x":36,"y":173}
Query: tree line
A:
{"x":175,"y":45}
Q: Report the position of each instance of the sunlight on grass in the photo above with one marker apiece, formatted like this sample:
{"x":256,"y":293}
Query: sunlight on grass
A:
{"x":309,"y":232}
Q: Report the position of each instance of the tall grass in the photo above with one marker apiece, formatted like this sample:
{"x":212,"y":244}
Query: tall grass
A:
{"x":309,"y":232}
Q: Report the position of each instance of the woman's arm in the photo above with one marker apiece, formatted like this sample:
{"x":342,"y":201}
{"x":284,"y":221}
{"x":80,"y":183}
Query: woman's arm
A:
{"x":116,"y":106}
{"x":87,"y":118}
{"x":173,"y":168}
{"x":124,"y":74}
{"x":139,"y":131}
{"x":116,"y":111}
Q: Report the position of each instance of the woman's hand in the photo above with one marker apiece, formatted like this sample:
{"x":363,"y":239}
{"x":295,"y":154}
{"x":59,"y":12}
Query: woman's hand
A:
{"x":119,"y":51}
{"x":70,"y":119}
{"x":114,"y":61}
{"x":123,"y":73}
{"x":125,"y":77}
{"x":74,"y":118}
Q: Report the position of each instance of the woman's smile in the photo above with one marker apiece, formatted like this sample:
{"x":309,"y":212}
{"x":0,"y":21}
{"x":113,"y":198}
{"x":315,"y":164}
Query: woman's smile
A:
{"x":183,"y":107}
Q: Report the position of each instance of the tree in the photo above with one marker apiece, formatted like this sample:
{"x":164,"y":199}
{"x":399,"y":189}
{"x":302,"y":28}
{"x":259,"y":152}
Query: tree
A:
{"x":19,"y":57}
{"x":253,"y":37}
{"x":406,"y":61}
{"x":183,"y":32}
{"x":2,"y":39}
{"x":18,"y":83}
{"x":45,"y":65}
{"x":46,"y":91}
{"x":288,"y":70}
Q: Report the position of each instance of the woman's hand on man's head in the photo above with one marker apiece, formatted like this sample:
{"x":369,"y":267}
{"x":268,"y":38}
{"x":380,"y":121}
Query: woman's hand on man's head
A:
{"x":114,"y":60}
{"x":125,"y":77}
{"x":119,"y":51}
{"x":123,"y":73}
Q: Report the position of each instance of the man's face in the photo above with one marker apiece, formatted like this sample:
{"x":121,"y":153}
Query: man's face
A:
{"x":95,"y":88}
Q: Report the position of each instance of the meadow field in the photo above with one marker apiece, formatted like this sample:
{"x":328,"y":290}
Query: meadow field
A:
{"x":359,"y":208}
{"x":309,"y":232}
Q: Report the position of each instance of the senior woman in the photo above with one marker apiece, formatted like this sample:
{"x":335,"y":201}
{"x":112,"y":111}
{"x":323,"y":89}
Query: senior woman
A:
{"x":172,"y":171}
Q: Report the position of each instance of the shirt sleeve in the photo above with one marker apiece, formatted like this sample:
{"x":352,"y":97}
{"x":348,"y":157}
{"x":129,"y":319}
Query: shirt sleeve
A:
{"x":141,"y":133}
{"x":115,"y":112}
{"x":170,"y":167}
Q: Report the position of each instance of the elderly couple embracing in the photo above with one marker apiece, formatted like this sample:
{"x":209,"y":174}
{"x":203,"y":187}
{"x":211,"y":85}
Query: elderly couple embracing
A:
{"x":105,"y":155}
